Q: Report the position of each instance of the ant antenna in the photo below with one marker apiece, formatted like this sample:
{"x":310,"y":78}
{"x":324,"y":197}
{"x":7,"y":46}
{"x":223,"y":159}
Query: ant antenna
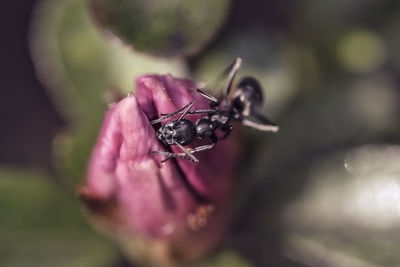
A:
{"x":187,"y":152}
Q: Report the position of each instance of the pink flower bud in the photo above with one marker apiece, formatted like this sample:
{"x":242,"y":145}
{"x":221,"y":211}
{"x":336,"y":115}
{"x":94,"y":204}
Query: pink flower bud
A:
{"x":169,"y":211}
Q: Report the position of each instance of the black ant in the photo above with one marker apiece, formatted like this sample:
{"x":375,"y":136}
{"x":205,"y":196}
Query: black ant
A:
{"x":239,"y":104}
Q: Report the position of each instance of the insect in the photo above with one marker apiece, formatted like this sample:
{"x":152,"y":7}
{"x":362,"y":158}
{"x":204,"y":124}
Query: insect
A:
{"x":239,"y":103}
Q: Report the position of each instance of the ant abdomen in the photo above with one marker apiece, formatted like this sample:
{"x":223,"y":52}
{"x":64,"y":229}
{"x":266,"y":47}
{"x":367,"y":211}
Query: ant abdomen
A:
{"x":247,"y":97}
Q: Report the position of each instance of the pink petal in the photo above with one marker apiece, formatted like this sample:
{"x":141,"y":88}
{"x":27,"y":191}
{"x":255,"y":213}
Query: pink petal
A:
{"x":164,"y":94}
{"x":142,"y":195}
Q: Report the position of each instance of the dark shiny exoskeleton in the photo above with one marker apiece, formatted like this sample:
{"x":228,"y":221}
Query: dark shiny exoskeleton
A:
{"x":180,"y":131}
{"x":239,"y":104}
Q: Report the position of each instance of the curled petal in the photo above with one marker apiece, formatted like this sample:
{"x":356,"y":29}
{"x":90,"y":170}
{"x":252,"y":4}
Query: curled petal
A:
{"x":174,"y":202}
{"x":164,"y":94}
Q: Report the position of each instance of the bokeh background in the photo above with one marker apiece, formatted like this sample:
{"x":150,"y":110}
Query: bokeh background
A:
{"x":324,"y":191}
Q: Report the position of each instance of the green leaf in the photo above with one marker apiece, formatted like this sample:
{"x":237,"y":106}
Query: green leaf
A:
{"x":348,"y":213}
{"x":83,"y":72}
{"x":42,"y":225}
{"x":79,"y":65}
{"x":162,"y":27}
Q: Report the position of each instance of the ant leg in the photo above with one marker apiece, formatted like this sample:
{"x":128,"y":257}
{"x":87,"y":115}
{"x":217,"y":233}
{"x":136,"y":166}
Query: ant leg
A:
{"x":233,"y":69}
{"x":186,"y":110}
{"x":194,"y":112}
{"x":214,"y":140}
{"x":183,"y":155}
{"x":171,"y":155}
{"x":227,"y":131}
{"x":260,"y":126}
{"x":202,"y":148}
{"x":167,"y":115}
{"x":187,"y":152}
{"x":214,"y":102}
{"x":207,"y":95}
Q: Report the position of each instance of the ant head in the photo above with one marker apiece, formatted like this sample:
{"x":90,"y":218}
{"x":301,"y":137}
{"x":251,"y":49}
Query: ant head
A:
{"x":166,"y":132}
{"x":247,"y":98}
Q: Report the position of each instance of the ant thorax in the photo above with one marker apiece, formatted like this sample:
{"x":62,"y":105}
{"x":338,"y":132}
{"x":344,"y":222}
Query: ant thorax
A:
{"x":223,"y":116}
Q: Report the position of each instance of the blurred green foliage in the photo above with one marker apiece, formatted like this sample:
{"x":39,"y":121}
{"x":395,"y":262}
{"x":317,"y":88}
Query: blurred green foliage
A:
{"x":83,"y":73}
{"x":352,"y":212}
{"x":172,"y":28}
{"x":42,"y":225}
